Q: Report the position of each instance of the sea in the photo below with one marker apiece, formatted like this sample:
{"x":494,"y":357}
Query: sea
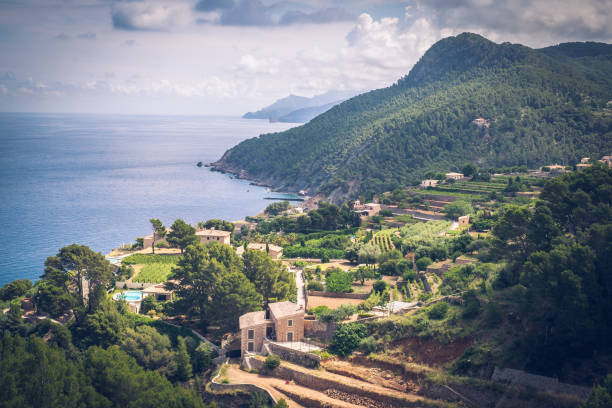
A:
{"x":96,"y":180}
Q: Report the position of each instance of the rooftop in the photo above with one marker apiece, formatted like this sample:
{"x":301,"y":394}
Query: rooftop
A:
{"x":281,"y":309}
{"x":262,"y":247}
{"x":252,"y":319}
{"x":213,"y":233}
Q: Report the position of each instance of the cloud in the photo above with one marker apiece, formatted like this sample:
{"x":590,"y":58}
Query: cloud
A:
{"x":150,"y":16}
{"x":535,"y":22}
{"x":87,"y":36}
{"x":62,"y":36}
{"x":212,"y":5}
{"x":128,"y":43}
{"x":256,"y":13}
{"x":328,"y":15}
{"x":247,"y":13}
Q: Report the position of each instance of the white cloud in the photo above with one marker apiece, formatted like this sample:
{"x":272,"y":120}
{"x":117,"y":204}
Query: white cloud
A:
{"x":156,"y":16}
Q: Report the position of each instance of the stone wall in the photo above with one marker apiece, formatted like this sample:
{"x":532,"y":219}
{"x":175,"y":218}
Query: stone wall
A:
{"x":319,"y":329}
{"x":339,"y":295}
{"x":295,"y":356}
{"x":133,"y":285}
{"x":539,"y":382}
{"x":321,"y":383}
{"x":217,"y":387}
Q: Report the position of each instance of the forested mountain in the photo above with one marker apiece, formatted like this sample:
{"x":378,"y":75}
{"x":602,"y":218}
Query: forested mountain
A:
{"x":300,"y":109}
{"x":541,"y":106}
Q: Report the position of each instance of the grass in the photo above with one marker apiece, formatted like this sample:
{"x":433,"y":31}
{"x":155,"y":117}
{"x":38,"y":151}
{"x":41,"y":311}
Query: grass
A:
{"x":154,"y":273}
{"x":144,"y":259}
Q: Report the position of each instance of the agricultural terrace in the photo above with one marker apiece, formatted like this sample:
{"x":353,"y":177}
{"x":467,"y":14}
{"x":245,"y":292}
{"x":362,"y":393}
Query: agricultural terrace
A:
{"x":382,"y":239}
{"x":423,"y":234}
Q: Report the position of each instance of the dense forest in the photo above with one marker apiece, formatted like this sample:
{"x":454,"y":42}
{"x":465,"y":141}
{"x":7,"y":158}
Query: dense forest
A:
{"x":540,"y":107}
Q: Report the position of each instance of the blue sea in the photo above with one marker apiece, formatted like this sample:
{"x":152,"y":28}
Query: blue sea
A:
{"x":98,"y":179}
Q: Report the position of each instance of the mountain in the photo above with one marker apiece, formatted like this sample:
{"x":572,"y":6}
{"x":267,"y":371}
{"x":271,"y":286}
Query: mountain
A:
{"x":300,"y":109}
{"x":552,"y":105}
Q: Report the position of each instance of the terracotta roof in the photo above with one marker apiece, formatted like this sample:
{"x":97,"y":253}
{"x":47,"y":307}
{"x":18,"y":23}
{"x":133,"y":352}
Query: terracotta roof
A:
{"x":213,"y":233}
{"x":281,"y":309}
{"x":252,"y":319}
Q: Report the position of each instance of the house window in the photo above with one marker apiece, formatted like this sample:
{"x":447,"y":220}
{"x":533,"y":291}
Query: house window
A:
{"x":250,"y":346}
{"x":290,"y":323}
{"x":251,"y":334}
{"x":290,"y":336}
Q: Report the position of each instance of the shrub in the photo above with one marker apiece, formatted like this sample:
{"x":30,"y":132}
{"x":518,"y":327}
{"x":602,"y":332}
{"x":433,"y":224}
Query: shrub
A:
{"x":368,"y":345}
{"x":316,"y":286}
{"x":423,"y":263}
{"x":15,"y":289}
{"x":281,"y":404}
{"x":336,"y":315}
{"x":272,"y":361}
{"x":338,"y":281}
{"x":379,"y":286}
{"x":410,"y":275}
{"x":438,"y":311}
{"x":347,"y":338}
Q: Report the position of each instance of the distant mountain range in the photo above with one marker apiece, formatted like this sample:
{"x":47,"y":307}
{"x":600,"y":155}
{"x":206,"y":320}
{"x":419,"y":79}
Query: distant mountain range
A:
{"x":300,"y":109}
{"x":552,"y":105}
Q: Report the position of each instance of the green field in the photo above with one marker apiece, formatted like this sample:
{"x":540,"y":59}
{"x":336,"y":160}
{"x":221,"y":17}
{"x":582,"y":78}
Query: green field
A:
{"x":150,"y":259}
{"x":154,"y":273}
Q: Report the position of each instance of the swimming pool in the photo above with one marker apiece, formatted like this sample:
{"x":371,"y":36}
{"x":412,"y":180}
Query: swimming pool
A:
{"x":129,"y":295}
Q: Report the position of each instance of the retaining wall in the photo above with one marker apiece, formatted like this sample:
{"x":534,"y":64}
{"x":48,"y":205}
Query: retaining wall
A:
{"x":133,"y":285}
{"x":322,"y":384}
{"x":322,"y":330}
{"x":295,"y":356}
{"x":539,"y":382}
{"x":339,"y":295}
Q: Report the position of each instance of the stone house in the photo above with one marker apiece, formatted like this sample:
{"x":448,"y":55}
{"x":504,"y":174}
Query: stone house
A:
{"x":281,"y":322}
{"x":213,"y":235}
{"x":366,"y":210}
{"x":454,"y":176}
{"x":429,"y":183}
{"x":275,"y":251}
{"x":463,"y":221}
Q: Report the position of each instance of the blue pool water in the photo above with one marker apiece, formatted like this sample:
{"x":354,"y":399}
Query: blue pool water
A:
{"x":97,"y":180}
{"x":130,"y":295}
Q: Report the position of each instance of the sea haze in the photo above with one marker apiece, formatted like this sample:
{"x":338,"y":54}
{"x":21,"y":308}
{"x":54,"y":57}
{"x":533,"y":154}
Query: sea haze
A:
{"x":97,"y":180}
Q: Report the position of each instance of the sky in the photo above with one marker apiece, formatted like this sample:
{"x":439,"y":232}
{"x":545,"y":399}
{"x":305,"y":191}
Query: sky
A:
{"x":227,"y":57}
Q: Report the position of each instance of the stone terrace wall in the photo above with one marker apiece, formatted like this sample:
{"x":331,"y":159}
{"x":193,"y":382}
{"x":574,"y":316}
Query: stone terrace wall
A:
{"x":322,"y":384}
{"x":339,"y":295}
{"x":539,"y":382}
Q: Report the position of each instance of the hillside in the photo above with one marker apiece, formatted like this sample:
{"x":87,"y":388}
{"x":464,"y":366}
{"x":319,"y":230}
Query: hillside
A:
{"x":543,"y":106}
{"x":300,"y":109}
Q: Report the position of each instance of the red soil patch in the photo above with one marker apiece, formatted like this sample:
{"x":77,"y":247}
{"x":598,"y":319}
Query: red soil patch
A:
{"x":431,"y":352}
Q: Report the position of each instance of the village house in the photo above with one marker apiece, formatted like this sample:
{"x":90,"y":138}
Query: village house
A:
{"x":481,"y":122}
{"x":429,"y":183}
{"x":366,"y":210}
{"x":160,"y":292}
{"x":214,"y":235}
{"x":463,"y":221}
{"x":607,"y":160}
{"x":556,"y":168}
{"x":581,"y":166}
{"x":275,"y":251}
{"x":454,"y":176}
{"x":280,"y":322}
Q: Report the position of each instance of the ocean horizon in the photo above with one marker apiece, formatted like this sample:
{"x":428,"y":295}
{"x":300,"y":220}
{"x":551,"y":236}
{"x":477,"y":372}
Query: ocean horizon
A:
{"x":97,"y":179}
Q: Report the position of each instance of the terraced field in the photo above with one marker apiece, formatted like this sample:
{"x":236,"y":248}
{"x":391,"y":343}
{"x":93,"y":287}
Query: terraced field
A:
{"x":383,"y":240}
